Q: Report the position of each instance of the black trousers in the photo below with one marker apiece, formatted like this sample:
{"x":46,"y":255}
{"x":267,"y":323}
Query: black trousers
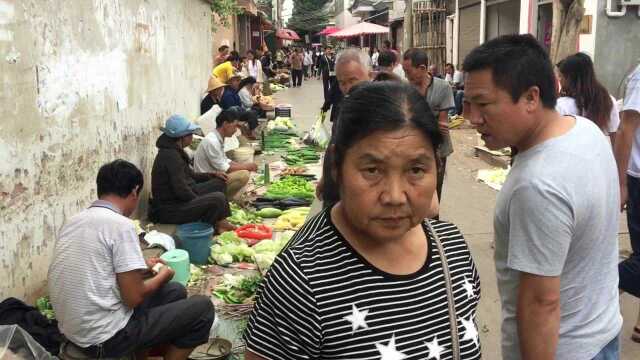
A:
{"x":325,"y":85}
{"x":296,"y":77}
{"x":442,"y":166}
{"x":210,"y":206}
{"x":166,"y":317}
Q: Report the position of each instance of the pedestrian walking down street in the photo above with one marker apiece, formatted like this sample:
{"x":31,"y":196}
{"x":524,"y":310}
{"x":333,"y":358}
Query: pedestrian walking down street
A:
{"x":296,"y":59}
{"x":307,"y":63}
{"x":583,"y":95}
{"x":627,"y":150}
{"x":327,"y":65}
{"x":556,"y":217}
{"x":439,"y":96}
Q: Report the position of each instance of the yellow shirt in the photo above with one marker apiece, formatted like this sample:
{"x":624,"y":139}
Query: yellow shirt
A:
{"x":223,"y":72}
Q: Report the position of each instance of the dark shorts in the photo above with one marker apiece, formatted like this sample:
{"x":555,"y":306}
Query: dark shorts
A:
{"x":166,"y":317}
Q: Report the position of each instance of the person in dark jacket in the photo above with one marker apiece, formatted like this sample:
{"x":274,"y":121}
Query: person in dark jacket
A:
{"x":181,"y":195}
{"x":326,"y":64}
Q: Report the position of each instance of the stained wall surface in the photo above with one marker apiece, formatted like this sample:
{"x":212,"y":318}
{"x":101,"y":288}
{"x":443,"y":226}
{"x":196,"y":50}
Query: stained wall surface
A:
{"x":83,"y":83}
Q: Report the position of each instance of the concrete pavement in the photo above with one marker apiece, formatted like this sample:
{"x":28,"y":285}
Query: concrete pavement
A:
{"x":470,"y":205}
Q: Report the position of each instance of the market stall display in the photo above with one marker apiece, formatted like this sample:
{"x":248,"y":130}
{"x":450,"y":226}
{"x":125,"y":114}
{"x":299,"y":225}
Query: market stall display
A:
{"x":240,"y":216}
{"x":291,"y":187}
{"x":292,"y":219}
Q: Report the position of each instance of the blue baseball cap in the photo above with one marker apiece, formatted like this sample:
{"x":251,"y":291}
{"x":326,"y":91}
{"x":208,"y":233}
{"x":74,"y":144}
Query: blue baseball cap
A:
{"x":178,"y":126}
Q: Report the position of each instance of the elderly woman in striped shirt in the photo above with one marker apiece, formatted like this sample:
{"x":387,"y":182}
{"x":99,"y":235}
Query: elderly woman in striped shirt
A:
{"x":372,"y":277}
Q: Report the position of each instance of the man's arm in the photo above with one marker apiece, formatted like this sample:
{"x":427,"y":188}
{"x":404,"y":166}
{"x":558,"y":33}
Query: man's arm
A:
{"x":443,"y":122}
{"x":234,"y":166}
{"x":623,"y":142}
{"x":538,"y":316}
{"x":134,"y":289}
{"x":248,"y":355}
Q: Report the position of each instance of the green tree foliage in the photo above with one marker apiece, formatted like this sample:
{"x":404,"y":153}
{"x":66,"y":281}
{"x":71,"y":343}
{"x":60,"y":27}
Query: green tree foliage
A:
{"x":224,"y":9}
{"x":267,"y":7}
{"x":309,"y":16}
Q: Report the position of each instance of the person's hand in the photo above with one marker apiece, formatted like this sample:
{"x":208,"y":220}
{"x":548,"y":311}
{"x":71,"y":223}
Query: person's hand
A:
{"x":252,"y":167}
{"x":168,"y":271}
{"x":151,"y":262}
{"x":624,"y":197}
{"x":444,"y":127}
{"x":220,"y":175}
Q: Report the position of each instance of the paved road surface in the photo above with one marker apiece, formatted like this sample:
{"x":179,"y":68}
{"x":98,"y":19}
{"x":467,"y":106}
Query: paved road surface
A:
{"x":470,"y":206}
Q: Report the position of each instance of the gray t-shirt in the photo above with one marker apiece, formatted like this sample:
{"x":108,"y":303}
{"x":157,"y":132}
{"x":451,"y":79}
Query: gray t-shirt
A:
{"x":440,"y":98}
{"x":557,"y":215}
{"x":93,"y":246}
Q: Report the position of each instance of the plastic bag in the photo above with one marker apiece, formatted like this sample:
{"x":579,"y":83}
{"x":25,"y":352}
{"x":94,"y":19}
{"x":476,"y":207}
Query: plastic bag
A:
{"x":15,"y":343}
{"x":208,"y":120}
{"x":318,"y":135}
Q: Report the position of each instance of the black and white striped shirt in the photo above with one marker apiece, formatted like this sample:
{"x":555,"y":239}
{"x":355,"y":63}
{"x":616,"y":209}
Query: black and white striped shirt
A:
{"x":322,"y":300}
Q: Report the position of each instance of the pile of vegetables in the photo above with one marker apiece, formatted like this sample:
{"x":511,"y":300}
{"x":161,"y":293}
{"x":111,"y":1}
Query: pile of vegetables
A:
{"x":277,"y":87}
{"x":241,"y":216}
{"x":278,"y":140}
{"x":280,"y":123}
{"x":44,"y":306}
{"x":237,"y":289}
{"x":301,"y":157}
{"x":230,"y":249}
{"x":197,"y":276}
{"x":291,"y":187}
{"x":269,"y":213}
{"x":292,"y":219}
{"x":267,"y":250}
{"x":253,"y":233}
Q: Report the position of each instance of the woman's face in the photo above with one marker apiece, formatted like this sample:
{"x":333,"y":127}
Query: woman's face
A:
{"x":387,"y":183}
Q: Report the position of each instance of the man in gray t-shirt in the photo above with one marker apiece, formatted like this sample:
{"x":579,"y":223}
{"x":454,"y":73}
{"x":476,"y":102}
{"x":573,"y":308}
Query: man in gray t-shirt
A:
{"x":439,"y":96}
{"x":557,"y":214}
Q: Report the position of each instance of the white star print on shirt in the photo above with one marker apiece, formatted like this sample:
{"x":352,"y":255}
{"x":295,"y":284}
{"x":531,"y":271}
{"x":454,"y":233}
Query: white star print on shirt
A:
{"x":389,"y":352}
{"x":434,"y":349}
{"x":468,"y":287}
{"x":357,"y":318}
{"x":470,"y":332}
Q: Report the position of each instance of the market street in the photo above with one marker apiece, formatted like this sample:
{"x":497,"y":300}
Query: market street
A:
{"x":468,"y":204}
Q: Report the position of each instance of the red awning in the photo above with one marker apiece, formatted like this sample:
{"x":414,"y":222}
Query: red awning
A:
{"x":286,"y":34}
{"x":328,"y":30}
{"x":363,"y":28}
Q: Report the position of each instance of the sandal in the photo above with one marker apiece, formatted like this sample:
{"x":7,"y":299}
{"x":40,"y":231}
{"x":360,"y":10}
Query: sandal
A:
{"x":635,"y":336}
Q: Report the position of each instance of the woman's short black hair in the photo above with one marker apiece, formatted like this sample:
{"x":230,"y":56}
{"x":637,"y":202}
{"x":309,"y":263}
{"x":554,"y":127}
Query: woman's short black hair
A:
{"x":229,"y":115}
{"x":250,"y":80}
{"x":517,"y":62}
{"x":382,"y":106}
{"x":119,"y":178}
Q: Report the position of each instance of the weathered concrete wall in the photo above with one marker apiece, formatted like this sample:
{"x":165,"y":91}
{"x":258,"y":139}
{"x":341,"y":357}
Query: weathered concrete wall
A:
{"x":617,"y":46}
{"x":83,"y":82}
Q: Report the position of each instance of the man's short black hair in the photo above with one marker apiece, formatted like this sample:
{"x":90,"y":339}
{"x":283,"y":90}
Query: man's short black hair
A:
{"x":229,"y":115}
{"x":387,"y":58}
{"x":387,"y":44}
{"x":417,"y":56}
{"x":517,"y":63}
{"x":120,"y":178}
{"x":223,"y":48}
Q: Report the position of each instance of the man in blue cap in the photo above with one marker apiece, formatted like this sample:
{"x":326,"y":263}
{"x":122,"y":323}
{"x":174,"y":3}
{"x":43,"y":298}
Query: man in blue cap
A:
{"x":181,"y":195}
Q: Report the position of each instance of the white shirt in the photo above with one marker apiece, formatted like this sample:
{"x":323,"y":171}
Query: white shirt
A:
{"x":632,"y":103}
{"x":210,"y":156}
{"x":374,"y":58}
{"x":399,"y":71}
{"x":567,"y":106}
{"x":93,"y":246}
{"x":457,"y":77}
{"x":308,"y":59}
{"x":245,"y":98}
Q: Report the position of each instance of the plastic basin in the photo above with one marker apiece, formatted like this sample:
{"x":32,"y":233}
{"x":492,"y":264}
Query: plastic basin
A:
{"x":196,"y":240}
